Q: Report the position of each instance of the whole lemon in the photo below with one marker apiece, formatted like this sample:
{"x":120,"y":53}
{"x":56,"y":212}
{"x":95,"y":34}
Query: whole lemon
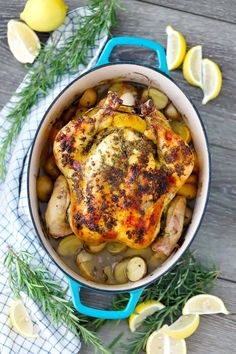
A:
{"x":44,"y":15}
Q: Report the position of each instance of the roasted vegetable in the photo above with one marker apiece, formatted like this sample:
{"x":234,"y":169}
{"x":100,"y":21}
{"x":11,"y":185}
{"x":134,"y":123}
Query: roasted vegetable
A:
{"x":196,"y":163}
{"x":120,"y":271}
{"x":116,"y":247}
{"x":108,"y":274}
{"x":56,"y":216}
{"x":159,"y":99}
{"x":174,"y":226}
{"x":192,"y":179}
{"x":44,"y":186}
{"x":89,"y":98}
{"x":69,"y":246}
{"x":136,"y":268}
{"x":181,"y":129}
{"x":188,"y":190}
{"x":171,"y":112}
{"x":85,"y":266}
{"x":95,"y":248}
{"x":188,"y":215}
{"x":51,"y":168}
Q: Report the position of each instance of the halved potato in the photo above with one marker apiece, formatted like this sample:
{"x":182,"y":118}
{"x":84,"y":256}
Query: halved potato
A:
{"x":130,"y":121}
{"x":89,"y":98}
{"x":196,"y":163}
{"x":69,"y":246}
{"x":160,"y":100}
{"x":120,"y":271}
{"x":136,"y":268}
{"x":83,"y":256}
{"x":116,"y":247}
{"x":95,"y":248}
{"x":85,"y":265}
{"x":188,"y":190}
{"x":171,"y":112}
{"x":181,"y":129}
{"x":44,"y":186}
{"x":108,"y":274}
{"x":51,"y":168}
{"x":192,"y":179}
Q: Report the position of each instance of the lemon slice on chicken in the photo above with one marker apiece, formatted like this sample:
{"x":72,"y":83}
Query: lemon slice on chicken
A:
{"x":192,"y":66}
{"x":176,"y":48}
{"x":212,"y":80}
{"x":142,"y":311}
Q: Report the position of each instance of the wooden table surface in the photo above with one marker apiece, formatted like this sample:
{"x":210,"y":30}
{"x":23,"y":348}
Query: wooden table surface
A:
{"x":212,"y":24}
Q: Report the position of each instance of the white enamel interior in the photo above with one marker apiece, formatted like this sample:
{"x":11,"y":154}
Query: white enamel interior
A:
{"x":140,"y":74}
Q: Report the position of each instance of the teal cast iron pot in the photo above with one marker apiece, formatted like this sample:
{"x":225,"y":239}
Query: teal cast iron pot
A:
{"x":159,"y":78}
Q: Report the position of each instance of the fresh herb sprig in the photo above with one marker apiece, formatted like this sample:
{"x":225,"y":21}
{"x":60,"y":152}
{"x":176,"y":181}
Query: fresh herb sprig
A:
{"x":52,"y":63}
{"x":186,"y":279}
{"x":37,"y":283}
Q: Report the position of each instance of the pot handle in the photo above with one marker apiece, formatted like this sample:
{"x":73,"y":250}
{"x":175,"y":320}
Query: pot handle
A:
{"x":109,"y":315}
{"x":135,"y":41}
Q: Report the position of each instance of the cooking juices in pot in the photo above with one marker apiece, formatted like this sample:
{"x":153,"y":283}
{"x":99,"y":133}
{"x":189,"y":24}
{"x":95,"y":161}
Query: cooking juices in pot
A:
{"x":131,"y":201}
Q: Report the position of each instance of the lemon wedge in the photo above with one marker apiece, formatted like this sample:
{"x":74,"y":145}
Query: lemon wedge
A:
{"x":160,"y":343}
{"x":20,"y":320}
{"x":142,"y":311}
{"x":44,"y":16}
{"x":23,"y":42}
{"x":204,"y":304}
{"x":212,"y":80}
{"x":176,"y":48}
{"x":192,"y":66}
{"x":183,"y":328}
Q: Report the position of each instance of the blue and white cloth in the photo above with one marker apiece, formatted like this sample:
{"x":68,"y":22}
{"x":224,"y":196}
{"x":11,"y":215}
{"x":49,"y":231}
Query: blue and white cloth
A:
{"x":16,"y":228}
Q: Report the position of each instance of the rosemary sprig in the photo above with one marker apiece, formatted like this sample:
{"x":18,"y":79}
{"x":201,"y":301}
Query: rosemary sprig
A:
{"x":52,"y":63}
{"x":186,"y":279}
{"x":37,"y":283}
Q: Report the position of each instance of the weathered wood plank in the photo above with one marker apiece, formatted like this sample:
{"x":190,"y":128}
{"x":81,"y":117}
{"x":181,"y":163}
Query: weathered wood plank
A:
{"x":222,"y":10}
{"x":214,"y":335}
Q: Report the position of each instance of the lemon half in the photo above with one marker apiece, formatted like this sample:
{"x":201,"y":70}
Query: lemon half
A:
{"x":176,"y":48}
{"x":23,"y":42}
{"x":204,"y":304}
{"x":160,"y":343}
{"x":192,"y":66}
{"x":183,"y":328}
{"x":44,"y":15}
{"x":21,"y":320}
{"x":142,"y":311}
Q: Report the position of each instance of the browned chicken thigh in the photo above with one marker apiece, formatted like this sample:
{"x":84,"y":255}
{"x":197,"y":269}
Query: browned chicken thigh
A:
{"x":122,"y":169}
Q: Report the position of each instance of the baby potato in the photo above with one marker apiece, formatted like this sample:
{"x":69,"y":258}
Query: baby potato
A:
{"x":188,"y":190}
{"x":192,"y":179}
{"x":89,"y":98}
{"x":108,"y":274}
{"x":87,"y":270}
{"x":44,"y":187}
{"x":69,"y":245}
{"x":187,"y":216}
{"x":51,"y":168}
{"x":95,"y":248}
{"x":116,"y":247}
{"x":136,"y":269}
{"x":84,"y":256}
{"x":181,"y":129}
{"x":171,"y":112}
{"x":120,"y":271}
{"x":160,"y":100}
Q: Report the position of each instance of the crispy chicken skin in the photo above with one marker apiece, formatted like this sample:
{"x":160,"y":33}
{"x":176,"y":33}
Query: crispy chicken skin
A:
{"x":121,"y":176}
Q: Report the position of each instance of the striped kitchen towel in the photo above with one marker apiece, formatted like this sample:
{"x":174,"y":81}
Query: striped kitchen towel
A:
{"x":16,"y":228}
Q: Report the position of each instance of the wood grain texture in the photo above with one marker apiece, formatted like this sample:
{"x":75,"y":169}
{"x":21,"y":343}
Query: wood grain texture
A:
{"x":216,"y":239}
{"x":224,"y":10}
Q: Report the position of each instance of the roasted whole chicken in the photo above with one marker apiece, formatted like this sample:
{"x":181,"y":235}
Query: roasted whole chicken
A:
{"x":122,"y":168}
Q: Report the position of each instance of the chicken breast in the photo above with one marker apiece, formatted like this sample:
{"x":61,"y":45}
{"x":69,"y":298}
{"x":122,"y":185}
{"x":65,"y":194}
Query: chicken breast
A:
{"x":122,"y":170}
